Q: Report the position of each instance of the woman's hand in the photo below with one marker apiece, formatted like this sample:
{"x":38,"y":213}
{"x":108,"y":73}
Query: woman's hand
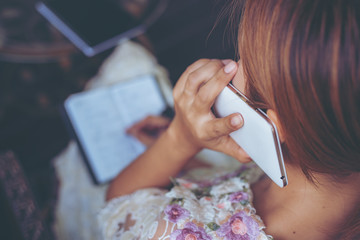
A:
{"x":149,"y":129}
{"x":194,"y":125}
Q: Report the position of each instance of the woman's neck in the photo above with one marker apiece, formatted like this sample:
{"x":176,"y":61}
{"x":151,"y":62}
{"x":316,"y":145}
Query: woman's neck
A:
{"x":303,"y":210}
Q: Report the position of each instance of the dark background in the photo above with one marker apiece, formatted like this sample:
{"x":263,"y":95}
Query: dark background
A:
{"x":39,"y":69}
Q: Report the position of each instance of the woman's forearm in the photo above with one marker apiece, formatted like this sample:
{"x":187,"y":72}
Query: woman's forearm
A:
{"x":165,"y":158}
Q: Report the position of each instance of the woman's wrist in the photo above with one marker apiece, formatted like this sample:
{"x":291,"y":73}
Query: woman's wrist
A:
{"x":180,"y":142}
{"x":164,"y":159}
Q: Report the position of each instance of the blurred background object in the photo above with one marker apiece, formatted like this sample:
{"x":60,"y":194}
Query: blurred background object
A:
{"x":24,"y":218}
{"x":26,"y":37}
{"x":39,"y":68}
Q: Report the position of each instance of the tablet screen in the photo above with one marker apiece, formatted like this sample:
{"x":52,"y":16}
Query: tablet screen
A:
{"x":95,"y":21}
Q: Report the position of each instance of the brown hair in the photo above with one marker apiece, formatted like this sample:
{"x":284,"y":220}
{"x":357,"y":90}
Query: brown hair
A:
{"x":302,"y":59}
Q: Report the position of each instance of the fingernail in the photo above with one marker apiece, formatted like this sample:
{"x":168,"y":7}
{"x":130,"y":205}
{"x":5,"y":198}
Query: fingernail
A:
{"x":230,"y":67}
{"x":236,"y":120}
{"x":226,"y":61}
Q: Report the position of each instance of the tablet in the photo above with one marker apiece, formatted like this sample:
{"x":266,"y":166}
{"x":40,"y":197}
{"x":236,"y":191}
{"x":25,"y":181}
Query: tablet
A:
{"x":91,"y":25}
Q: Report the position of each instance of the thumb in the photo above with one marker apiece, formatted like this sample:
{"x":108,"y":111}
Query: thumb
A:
{"x":226,"y":125}
{"x":144,"y":138}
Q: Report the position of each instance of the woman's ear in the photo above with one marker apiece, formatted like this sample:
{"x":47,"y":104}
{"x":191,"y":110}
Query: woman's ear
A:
{"x":274,"y":118}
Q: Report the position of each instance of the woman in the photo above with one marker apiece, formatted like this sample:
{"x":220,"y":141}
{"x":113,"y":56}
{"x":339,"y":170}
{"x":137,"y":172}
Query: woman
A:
{"x":299,"y":61}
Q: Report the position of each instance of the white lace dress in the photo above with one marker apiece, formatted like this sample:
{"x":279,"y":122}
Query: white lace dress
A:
{"x":197,"y":207}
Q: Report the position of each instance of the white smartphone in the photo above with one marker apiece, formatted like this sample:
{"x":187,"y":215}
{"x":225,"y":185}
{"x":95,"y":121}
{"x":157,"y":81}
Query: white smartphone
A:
{"x":258,"y":137}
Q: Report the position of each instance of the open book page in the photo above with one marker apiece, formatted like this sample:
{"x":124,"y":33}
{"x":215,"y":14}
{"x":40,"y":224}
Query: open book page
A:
{"x":100,"y":118}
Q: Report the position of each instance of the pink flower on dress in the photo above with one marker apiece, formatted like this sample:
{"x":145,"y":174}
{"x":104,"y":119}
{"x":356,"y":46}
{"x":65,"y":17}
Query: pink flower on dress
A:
{"x":175,"y":213}
{"x":188,"y":185}
{"x":190,"y":232}
{"x":220,"y":205}
{"x":238,"y":197}
{"x":190,"y":237}
{"x":239,"y":227}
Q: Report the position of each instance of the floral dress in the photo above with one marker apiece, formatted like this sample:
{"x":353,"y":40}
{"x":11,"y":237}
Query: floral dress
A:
{"x":196,"y":208}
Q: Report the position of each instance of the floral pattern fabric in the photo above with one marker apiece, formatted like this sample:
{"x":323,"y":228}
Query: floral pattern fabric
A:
{"x":196,"y":208}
